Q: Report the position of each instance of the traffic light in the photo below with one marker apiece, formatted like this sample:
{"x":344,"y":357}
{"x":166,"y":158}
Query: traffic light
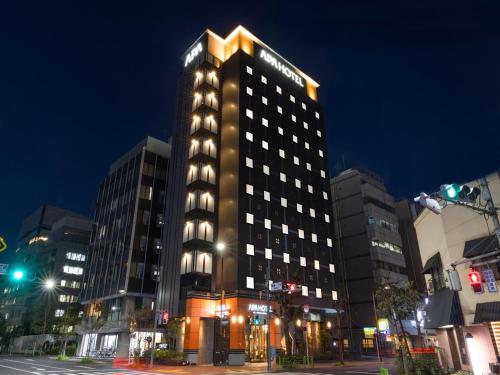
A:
{"x":291,"y":287}
{"x":164,"y":317}
{"x":463,"y":193}
{"x":18,"y":275}
{"x":450,"y":191}
{"x":256,"y":320}
{"x":475,"y":281}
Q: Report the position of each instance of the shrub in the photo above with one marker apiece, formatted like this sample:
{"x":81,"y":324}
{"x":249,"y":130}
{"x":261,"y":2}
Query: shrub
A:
{"x":87,"y":360}
{"x":71,"y":350}
{"x":61,"y":357}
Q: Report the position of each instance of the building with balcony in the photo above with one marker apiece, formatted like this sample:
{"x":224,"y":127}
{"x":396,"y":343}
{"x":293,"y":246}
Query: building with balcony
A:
{"x":121,"y":274}
{"x":248,"y":196}
{"x":370,"y":248}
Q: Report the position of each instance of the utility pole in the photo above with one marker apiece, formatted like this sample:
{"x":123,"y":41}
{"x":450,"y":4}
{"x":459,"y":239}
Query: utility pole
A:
{"x":377,"y":342}
{"x":155,"y":325}
{"x":491,"y":206}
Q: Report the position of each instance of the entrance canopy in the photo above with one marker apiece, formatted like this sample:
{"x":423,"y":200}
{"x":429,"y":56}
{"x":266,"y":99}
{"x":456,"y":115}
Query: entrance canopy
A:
{"x":443,"y":310}
{"x":487,"y":312}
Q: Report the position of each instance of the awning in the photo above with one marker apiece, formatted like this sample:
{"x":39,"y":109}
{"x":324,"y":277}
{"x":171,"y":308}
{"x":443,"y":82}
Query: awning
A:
{"x":443,"y":310}
{"x":487,"y":312}
{"x":480,"y":246}
{"x":433,"y":262}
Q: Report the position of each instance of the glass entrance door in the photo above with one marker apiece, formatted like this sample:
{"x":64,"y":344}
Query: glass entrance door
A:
{"x":255,"y":338}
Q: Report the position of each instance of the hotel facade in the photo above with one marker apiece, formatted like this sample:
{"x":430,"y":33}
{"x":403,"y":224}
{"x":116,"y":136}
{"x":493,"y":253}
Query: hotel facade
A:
{"x":249,"y":196}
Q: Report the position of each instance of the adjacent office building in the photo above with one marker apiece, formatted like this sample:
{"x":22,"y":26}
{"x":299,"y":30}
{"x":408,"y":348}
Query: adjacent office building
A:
{"x":249,"y":194}
{"x":121,"y":274}
{"x":370,"y":248}
{"x":51,"y":249}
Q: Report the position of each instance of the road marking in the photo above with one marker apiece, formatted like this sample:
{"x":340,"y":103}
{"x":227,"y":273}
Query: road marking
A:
{"x":85,"y":367}
{"x":18,"y":369}
{"x":29,"y":359}
{"x":362,"y":372}
{"x":58,"y":368}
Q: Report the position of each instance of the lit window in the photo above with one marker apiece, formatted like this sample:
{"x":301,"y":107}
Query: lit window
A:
{"x":249,"y":189}
{"x":327,"y":218}
{"x":249,"y":70}
{"x":58,"y":313}
{"x":306,"y":126}
{"x":334,"y":295}
{"x":325,"y":195}
{"x":265,"y":169}
{"x":306,"y":145}
{"x":282,"y":153}
{"x":322,"y":173}
{"x":320,"y":152}
{"x":267,"y":196}
{"x":318,"y":133}
{"x":268,"y":253}
{"x":332,"y":268}
{"x":301,"y":233}
{"x":265,"y":122}
{"x":292,"y":98}
{"x":249,"y":91}
{"x":250,"y":282}
{"x":318,"y":293}
{"x":297,"y":184}
{"x":314,"y":237}
{"x":249,"y":162}
{"x":283,"y":202}
{"x":329,"y":242}
{"x":282,"y":177}
{"x":303,"y":261}
{"x":316,"y":114}
{"x":294,"y":138}
{"x":250,"y":249}
{"x":316,"y":264}
{"x":295,"y":160}
{"x":267,"y":223}
{"x":310,"y":189}
{"x":308,"y":166}
{"x":249,"y":218}
{"x":250,"y":136}
{"x":294,"y":118}
{"x":286,"y":258}
{"x":264,"y":80}
{"x":299,"y":207}
{"x":280,"y":110}
{"x":265,"y":145}
{"x":249,"y":113}
{"x":284,"y":228}
{"x":264,"y":100}
{"x":278,"y":90}
{"x":304,"y":106}
{"x":76,"y":256}
{"x":280,"y":130}
{"x":312,"y":212}
{"x":73,"y":270}
{"x":305,"y":291}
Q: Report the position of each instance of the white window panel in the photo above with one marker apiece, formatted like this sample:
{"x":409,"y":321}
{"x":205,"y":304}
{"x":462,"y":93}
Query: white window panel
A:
{"x":299,"y":207}
{"x":249,"y":70}
{"x":279,"y":109}
{"x":318,"y":133}
{"x":301,"y":233}
{"x":325,"y":195}
{"x":316,"y":264}
{"x":250,"y":284}
{"x":327,"y":218}
{"x":322,"y":173}
{"x":320,"y":152}
{"x":249,"y":136}
{"x":265,"y":122}
{"x":284,"y":228}
{"x":265,"y":145}
{"x":267,"y":196}
{"x":295,"y":139}
{"x":249,"y":189}
{"x":316,"y":114}
{"x":267,"y":223}
{"x":334,"y":295}
{"x":281,"y":153}
{"x":269,"y":254}
{"x":265,"y":169}
{"x":283,"y":202}
{"x":308,"y":166}
{"x":318,"y":293}
{"x":304,"y":107}
{"x":280,"y":130}
{"x":250,"y":249}
{"x":249,"y":113}
{"x":306,"y":125}
{"x":249,"y":218}
{"x":332,"y":268}
{"x":282,"y":177}
{"x":249,"y":162}
{"x":270,"y":284}
{"x":292,"y":98}
{"x":329,"y":242}
{"x":264,"y":100}
{"x":306,"y":145}
{"x":249,"y":91}
{"x":310,"y":189}
{"x":278,"y":90}
{"x":286,"y":258}
{"x":296,"y":160}
{"x":303,"y":262}
{"x":297,"y":184}
{"x":314,"y":237}
{"x":305,"y":291}
{"x":263,"y":79}
{"x":294,"y":118}
{"x":312,"y":212}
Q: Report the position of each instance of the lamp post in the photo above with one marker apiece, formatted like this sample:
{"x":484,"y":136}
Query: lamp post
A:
{"x":48,"y":285}
{"x":220,"y":247}
{"x":377,"y":338}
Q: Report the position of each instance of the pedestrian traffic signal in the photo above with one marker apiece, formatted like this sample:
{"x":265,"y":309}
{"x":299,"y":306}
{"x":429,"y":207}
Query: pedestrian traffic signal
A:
{"x":164,"y":317}
{"x":291,"y":287}
{"x":475,"y":281}
{"x":256,"y":320}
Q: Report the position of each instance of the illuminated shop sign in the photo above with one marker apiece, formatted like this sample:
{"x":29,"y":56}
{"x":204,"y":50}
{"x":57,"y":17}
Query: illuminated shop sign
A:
{"x":38,"y":239}
{"x":193,"y":53}
{"x":254,"y":307}
{"x":285,"y":70}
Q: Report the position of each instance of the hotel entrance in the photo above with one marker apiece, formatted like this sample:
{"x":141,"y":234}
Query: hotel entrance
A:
{"x":255,"y":340}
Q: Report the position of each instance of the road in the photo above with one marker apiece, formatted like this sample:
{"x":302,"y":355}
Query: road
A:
{"x":48,"y":366}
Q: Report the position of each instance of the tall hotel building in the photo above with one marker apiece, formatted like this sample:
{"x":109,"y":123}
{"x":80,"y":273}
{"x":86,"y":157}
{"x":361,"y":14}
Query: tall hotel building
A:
{"x":249,"y":161}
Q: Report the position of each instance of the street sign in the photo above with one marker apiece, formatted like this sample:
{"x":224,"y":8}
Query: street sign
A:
{"x":489,"y":279}
{"x":277,"y":286}
{"x":3,"y":268}
{"x":3,"y":244}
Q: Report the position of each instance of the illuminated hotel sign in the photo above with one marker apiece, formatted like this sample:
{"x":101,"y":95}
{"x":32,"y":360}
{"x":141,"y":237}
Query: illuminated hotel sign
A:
{"x":254,"y":307}
{"x":193,"y":53}
{"x":285,"y":70}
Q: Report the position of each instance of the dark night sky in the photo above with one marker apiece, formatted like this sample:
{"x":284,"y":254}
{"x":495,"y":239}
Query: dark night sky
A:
{"x":410,"y":89}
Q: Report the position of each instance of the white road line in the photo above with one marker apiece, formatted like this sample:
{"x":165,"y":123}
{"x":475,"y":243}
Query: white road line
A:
{"x":362,"y":372}
{"x":85,"y":367}
{"x":57,"y":368}
{"x":18,"y":369}
{"x":29,"y":359}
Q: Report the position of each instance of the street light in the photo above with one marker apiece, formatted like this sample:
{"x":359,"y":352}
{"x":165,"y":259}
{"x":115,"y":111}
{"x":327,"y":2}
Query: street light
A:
{"x":49,"y":284}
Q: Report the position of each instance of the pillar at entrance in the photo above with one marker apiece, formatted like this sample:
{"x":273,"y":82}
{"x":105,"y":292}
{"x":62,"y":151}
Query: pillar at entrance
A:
{"x":123,"y":345}
{"x":237,"y":342}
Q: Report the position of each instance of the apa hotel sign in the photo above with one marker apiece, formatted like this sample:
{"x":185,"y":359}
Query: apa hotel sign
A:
{"x":285,"y":70}
{"x":195,"y":51}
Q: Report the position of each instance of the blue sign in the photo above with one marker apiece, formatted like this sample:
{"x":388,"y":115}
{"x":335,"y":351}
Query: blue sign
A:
{"x":489,"y":279}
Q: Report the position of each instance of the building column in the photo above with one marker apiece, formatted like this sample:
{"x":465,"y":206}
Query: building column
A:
{"x":123,"y":345}
{"x":236,"y":342}
{"x":191,"y":338}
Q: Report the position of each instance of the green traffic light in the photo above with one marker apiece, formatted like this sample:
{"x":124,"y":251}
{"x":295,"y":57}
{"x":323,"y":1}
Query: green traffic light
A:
{"x":18,"y":275}
{"x":451,"y":191}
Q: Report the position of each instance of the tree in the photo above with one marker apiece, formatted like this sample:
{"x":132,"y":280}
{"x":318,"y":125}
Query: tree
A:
{"x":398,"y":302}
{"x":70,"y":318}
{"x":139,"y":320}
{"x":92,"y":324}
